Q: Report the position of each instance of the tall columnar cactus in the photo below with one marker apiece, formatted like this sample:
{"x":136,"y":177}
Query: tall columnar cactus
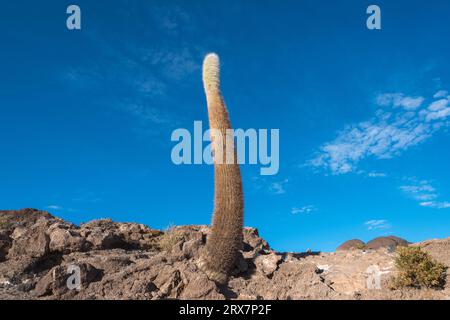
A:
{"x":225,"y":240}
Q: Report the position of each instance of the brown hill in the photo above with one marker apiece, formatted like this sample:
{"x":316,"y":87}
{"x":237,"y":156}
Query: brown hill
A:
{"x":390,"y":242}
{"x":351,"y":244}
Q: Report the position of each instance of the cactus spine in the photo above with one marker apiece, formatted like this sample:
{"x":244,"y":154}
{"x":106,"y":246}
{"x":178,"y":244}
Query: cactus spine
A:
{"x":225,"y":240}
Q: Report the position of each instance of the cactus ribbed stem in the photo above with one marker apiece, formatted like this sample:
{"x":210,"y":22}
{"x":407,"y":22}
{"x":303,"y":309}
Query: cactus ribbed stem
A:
{"x":225,"y":240}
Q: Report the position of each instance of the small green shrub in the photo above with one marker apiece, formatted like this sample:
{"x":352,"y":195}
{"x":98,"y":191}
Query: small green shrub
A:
{"x":170,"y":238}
{"x":417,"y":269}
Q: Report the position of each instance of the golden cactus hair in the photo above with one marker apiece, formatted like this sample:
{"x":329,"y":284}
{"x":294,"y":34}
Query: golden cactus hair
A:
{"x":225,"y":240}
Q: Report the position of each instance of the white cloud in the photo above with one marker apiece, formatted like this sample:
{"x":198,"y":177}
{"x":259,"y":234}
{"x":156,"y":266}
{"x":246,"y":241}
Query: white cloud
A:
{"x":303,"y":210}
{"x":53,"y":207}
{"x":374,"y":174}
{"x":437,"y":205}
{"x":386,"y":135}
{"x":278,"y":187}
{"x":59,"y":208}
{"x":420,"y":189}
{"x":442,"y":114}
{"x":377,"y":224}
{"x":268,"y":185}
{"x":437,"y":110}
{"x":438,"y":105}
{"x":440,"y":94}
{"x":423,"y":192}
{"x":399,"y":100}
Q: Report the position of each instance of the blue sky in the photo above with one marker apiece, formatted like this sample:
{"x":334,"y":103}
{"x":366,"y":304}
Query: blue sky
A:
{"x":86,"y":115}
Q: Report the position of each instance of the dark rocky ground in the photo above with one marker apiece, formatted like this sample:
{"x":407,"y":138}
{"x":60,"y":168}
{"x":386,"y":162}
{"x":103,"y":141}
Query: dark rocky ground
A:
{"x":133,"y":261}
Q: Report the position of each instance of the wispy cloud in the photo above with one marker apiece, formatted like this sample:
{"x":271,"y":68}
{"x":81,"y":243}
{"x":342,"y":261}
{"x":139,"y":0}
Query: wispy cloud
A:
{"x":170,"y":19}
{"x":386,"y":135}
{"x":176,"y":64}
{"x":399,"y":100}
{"x":374,"y":174}
{"x":440,"y":94}
{"x":139,"y":75}
{"x":437,"y":205}
{"x":423,"y":192}
{"x":278,"y":187}
{"x":438,"y":110}
{"x":420,"y":190}
{"x":54,"y":207}
{"x":303,"y":210}
{"x":265,"y":184}
{"x":377,"y":225}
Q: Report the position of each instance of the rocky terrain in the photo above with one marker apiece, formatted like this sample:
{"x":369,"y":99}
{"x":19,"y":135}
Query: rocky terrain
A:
{"x":38,"y":253}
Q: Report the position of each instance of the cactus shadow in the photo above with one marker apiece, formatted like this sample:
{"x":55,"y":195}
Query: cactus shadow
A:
{"x":227,"y":292}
